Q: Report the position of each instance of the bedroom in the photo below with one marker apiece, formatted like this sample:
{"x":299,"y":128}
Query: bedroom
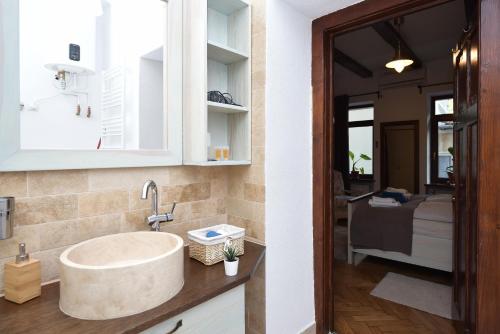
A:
{"x":393,"y":130}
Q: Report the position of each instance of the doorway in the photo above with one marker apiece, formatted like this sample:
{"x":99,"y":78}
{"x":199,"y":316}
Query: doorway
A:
{"x":488,"y":230}
{"x":399,"y":146}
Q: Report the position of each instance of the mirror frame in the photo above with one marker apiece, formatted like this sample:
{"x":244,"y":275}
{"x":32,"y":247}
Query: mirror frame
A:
{"x":13,"y":158}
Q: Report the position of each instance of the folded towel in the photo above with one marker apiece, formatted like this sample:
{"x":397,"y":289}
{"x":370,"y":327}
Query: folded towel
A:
{"x":211,"y":234}
{"x":383,"y":200}
{"x":375,"y":204}
{"x":397,"y":196}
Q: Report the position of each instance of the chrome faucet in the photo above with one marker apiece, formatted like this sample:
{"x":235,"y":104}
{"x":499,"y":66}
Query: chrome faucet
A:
{"x":155,"y":219}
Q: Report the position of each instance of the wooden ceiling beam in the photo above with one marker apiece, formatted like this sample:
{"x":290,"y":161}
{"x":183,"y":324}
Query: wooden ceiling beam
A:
{"x":351,"y":64}
{"x":389,"y":34}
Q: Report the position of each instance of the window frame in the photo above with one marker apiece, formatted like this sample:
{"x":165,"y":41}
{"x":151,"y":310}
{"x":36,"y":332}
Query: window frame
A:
{"x":433,"y":126}
{"x":358,"y":124}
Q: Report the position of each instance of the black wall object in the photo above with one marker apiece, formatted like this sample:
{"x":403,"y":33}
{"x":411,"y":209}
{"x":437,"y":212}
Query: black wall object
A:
{"x":74,"y":52}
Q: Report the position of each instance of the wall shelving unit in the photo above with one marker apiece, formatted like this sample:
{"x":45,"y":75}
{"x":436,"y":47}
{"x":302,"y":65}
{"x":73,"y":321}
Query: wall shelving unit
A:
{"x":217,"y":47}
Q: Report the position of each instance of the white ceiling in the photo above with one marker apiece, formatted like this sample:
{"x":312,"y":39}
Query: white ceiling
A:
{"x":318,"y":8}
{"x":431,"y":34}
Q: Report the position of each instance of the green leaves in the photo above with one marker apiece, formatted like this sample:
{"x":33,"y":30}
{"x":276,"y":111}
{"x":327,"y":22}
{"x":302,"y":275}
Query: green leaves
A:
{"x":230,"y":254}
{"x":364,"y":157}
{"x":351,"y":155}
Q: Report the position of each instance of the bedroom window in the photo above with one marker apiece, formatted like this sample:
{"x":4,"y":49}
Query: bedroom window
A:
{"x":441,"y":133}
{"x":361,"y":137}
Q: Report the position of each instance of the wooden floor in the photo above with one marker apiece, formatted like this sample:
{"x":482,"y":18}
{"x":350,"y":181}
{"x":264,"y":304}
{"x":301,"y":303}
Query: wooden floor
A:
{"x":356,"y":311}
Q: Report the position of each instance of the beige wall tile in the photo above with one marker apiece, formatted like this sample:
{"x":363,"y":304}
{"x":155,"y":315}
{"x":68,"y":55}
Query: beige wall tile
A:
{"x":49,"y":261}
{"x":136,"y":203}
{"x":253,"y":229}
{"x":181,"y":229}
{"x":13,"y":184}
{"x":258,"y":136}
{"x":258,"y":155}
{"x":238,"y":221}
{"x":126,"y":178}
{"x":57,"y":182}
{"x":256,"y":230}
{"x":28,"y":234}
{"x":135,"y":221}
{"x":255,"y":192}
{"x":58,"y":234}
{"x":212,"y":221}
{"x":38,"y":210}
{"x":100,"y":203}
{"x":185,"y":193}
{"x":244,"y":209}
{"x":182,"y":212}
{"x":93,"y":227}
{"x":256,"y":174}
{"x":187,"y":174}
{"x":208,"y":208}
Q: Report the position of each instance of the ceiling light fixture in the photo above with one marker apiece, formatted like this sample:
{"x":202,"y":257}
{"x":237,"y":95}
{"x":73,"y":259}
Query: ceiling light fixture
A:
{"x":398,"y":63}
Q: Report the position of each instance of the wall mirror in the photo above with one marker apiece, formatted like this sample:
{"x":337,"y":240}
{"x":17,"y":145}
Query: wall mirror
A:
{"x":90,"y":83}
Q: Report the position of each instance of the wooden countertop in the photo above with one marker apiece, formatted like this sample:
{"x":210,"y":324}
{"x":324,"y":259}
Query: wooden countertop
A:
{"x":42,"y":315}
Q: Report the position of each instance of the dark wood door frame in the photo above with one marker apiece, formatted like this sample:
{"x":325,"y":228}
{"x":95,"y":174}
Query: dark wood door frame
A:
{"x":363,"y":14}
{"x":383,"y":158}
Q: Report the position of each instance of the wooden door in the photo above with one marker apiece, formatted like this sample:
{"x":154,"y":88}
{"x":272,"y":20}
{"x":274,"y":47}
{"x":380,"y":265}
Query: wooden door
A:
{"x":399,"y":155}
{"x":466,"y":163}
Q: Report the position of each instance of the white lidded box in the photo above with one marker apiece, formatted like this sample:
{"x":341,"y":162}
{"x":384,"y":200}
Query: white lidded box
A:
{"x":210,"y":250}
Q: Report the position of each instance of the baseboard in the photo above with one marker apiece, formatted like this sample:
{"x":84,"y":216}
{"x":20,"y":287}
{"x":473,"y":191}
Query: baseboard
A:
{"x":311,"y":329}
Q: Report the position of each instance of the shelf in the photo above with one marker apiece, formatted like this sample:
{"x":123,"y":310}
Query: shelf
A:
{"x":224,"y":54}
{"x":227,"y":6}
{"x":225,"y":108}
{"x":221,"y":163}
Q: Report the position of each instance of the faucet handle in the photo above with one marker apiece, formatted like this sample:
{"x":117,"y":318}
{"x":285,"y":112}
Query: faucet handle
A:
{"x":170,"y":215}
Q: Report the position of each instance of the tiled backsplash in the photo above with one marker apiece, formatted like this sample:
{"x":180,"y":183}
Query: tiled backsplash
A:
{"x":55,"y":209}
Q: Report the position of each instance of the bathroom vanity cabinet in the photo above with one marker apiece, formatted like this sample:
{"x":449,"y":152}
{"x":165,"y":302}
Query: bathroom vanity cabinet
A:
{"x":222,"y":314}
{"x":217,"y":49}
{"x":209,"y":302}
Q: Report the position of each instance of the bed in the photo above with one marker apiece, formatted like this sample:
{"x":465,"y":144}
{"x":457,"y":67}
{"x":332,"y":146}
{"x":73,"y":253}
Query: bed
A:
{"x":425,"y":240}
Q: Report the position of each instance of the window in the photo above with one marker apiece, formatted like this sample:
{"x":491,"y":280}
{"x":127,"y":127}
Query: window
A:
{"x":441,"y":133}
{"x":361,"y":138}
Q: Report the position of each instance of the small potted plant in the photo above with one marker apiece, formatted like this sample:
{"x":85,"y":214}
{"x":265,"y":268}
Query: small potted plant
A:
{"x":356,"y":170}
{"x":231,"y":261}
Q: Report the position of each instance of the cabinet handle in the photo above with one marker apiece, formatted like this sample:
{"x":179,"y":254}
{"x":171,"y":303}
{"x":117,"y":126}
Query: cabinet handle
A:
{"x":179,"y":325}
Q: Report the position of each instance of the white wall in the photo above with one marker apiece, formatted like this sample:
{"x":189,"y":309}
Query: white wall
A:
{"x":44,"y":38}
{"x":289,"y":253}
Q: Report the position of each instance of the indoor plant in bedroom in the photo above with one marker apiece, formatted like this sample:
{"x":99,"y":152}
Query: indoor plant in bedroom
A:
{"x":231,"y":261}
{"x":355,"y":171}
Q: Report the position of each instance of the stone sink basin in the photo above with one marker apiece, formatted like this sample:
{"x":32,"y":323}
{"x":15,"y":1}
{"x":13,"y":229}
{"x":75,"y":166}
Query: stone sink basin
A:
{"x":120,"y":274}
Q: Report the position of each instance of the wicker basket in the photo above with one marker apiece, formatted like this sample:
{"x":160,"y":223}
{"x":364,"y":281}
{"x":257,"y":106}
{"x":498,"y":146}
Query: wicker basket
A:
{"x":211,"y":251}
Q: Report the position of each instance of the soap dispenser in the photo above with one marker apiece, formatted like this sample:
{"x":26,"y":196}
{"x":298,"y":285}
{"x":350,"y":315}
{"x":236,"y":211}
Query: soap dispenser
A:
{"x":22,"y":278}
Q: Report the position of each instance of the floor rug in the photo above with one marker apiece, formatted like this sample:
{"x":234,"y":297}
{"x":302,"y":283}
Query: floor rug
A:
{"x":413,"y":292}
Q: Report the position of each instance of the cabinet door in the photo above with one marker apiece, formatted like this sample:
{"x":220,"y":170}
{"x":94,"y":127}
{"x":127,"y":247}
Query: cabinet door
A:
{"x":224,"y":314}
